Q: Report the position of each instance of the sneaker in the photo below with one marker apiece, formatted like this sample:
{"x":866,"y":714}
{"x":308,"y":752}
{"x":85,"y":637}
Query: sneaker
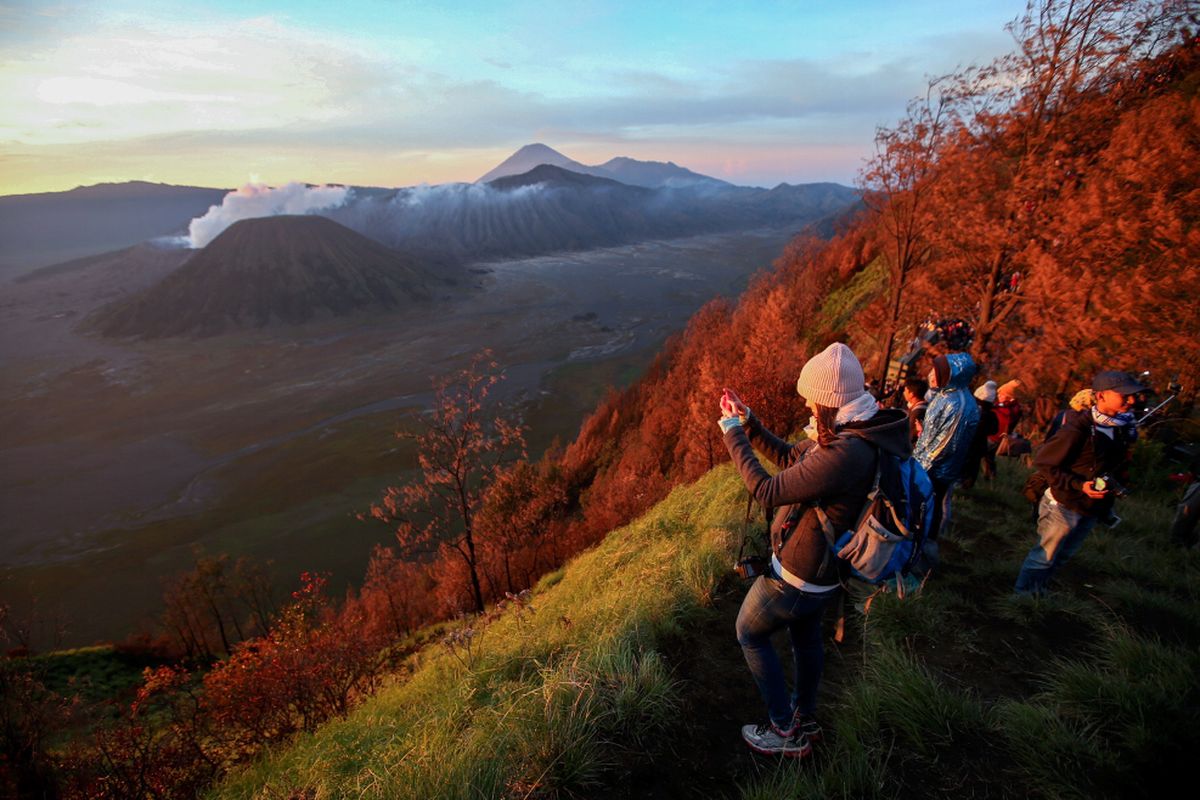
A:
{"x":770,"y":741}
{"x":807,"y":725}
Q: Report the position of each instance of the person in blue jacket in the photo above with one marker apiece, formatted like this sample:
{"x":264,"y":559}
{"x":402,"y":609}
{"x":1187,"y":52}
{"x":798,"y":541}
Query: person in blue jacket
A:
{"x":950,"y":424}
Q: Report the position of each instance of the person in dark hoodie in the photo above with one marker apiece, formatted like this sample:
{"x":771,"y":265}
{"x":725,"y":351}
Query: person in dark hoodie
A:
{"x":1084,"y":462}
{"x":979,"y":458}
{"x":833,"y":467}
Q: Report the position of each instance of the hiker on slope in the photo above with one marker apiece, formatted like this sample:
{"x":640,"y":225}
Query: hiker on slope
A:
{"x":835,"y":467}
{"x":946,"y":436}
{"x":1085,"y":464}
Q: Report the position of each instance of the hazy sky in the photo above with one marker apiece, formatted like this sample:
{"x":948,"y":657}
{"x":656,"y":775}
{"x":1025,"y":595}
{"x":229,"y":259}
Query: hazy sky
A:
{"x":397,"y":93}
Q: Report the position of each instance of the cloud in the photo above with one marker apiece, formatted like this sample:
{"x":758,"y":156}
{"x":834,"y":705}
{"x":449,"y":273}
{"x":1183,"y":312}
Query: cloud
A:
{"x":256,"y":200}
{"x":198,"y":98}
{"x":460,"y":194}
{"x":138,"y":79}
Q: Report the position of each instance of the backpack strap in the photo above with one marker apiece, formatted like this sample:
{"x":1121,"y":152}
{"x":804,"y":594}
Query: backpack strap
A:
{"x":839,"y":632}
{"x":745,"y":526}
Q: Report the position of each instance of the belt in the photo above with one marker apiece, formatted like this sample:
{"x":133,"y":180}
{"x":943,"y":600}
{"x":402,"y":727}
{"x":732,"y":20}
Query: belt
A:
{"x":797,"y":582}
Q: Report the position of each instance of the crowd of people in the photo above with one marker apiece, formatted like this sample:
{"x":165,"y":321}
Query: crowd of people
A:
{"x":955,"y":434}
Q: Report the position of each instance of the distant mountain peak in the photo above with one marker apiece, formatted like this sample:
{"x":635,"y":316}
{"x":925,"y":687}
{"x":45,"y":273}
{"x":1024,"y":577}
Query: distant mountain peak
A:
{"x":539,"y":148}
{"x":529,"y":157}
{"x":630,"y":171}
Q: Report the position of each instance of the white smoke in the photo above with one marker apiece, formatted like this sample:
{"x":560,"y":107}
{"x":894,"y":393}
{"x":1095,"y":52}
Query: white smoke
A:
{"x":424,"y":194}
{"x":259,"y":200}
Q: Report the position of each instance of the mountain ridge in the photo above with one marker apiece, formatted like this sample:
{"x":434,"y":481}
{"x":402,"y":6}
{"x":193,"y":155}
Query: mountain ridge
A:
{"x":631,"y":171}
{"x":42,"y":229}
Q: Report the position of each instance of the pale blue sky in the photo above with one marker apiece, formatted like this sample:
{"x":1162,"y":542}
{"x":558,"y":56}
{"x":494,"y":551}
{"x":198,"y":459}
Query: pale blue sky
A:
{"x":395,"y":93}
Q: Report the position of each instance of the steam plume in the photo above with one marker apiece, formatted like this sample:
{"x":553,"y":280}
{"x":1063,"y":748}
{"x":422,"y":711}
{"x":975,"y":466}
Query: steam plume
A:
{"x":259,"y":200}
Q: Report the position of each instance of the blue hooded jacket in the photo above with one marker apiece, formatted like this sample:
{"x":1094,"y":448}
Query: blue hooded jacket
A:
{"x":950,"y":423}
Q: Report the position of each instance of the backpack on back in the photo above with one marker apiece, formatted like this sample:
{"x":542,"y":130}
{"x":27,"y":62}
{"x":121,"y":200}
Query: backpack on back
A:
{"x":889,"y":536}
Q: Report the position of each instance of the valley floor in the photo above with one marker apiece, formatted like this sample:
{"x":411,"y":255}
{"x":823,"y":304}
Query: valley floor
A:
{"x":119,"y":458}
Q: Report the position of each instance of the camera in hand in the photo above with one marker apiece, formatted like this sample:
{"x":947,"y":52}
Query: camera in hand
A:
{"x":750,"y":567}
{"x":1106,"y":483}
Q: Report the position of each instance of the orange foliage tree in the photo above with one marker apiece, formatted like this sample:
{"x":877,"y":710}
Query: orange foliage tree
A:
{"x":1121,"y":270}
{"x":217,"y":604}
{"x":315,"y":661}
{"x":461,"y":449}
{"x":1026,"y":129}
{"x":521,"y":523}
{"x":897,"y":183}
{"x":183,"y":729}
{"x":397,"y":595}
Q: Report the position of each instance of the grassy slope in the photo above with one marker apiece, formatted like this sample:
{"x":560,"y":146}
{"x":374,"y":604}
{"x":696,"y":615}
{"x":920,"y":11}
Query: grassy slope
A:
{"x":962,"y":691}
{"x":968,"y":691}
{"x":556,"y":697}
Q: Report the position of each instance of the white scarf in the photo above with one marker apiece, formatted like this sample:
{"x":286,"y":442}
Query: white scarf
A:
{"x":1117,"y":421}
{"x":861,"y":409}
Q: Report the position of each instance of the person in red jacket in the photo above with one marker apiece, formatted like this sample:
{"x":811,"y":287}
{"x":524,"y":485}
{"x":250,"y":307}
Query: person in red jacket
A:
{"x":1085,"y":464}
{"x":1008,"y":413}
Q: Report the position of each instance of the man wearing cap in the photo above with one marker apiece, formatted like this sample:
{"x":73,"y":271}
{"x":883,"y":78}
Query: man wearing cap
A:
{"x":1092,"y":443}
{"x":834,"y":467}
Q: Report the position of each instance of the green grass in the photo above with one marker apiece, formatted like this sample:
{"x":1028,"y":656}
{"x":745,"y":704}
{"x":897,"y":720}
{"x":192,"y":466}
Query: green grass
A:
{"x":961,"y":690}
{"x":844,"y":302}
{"x":95,"y":673}
{"x":965,"y":690}
{"x":554,"y":698}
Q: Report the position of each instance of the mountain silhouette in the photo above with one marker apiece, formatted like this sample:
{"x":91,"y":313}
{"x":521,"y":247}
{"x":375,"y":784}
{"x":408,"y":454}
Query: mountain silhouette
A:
{"x":650,"y":174}
{"x":284,"y":269}
{"x":528,"y":157}
{"x":550,"y":209}
{"x":52,"y":227}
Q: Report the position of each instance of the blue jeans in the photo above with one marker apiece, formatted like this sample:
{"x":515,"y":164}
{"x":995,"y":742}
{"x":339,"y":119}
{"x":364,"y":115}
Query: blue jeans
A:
{"x":1061,"y":532}
{"x":769,"y":606}
{"x":942,"y":490}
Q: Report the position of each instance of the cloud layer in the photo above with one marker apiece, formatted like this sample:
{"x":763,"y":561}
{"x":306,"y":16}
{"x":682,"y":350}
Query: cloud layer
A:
{"x":370,"y":96}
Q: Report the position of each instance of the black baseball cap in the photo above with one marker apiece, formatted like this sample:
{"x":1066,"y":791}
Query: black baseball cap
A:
{"x":1117,"y":381}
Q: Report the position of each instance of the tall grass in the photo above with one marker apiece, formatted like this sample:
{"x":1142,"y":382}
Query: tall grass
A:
{"x":552,"y":698}
{"x":937,"y":706}
{"x":959,"y":690}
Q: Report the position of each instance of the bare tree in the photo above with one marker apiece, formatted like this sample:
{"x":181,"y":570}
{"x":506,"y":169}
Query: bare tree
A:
{"x":897,"y":183}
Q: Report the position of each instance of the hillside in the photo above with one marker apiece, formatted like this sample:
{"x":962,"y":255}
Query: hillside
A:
{"x":620,"y":677}
{"x":1037,"y":272}
{"x":285,"y":269}
{"x":619,"y":674}
{"x":41,"y":229}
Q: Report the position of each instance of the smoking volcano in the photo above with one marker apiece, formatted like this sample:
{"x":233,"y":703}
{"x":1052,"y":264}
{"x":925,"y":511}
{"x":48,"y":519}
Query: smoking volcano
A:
{"x":272,"y":270}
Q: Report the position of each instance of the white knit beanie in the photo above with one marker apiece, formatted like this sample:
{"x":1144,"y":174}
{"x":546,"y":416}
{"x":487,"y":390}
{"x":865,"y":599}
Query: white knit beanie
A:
{"x":987,"y":392}
{"x":831,"y":378}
